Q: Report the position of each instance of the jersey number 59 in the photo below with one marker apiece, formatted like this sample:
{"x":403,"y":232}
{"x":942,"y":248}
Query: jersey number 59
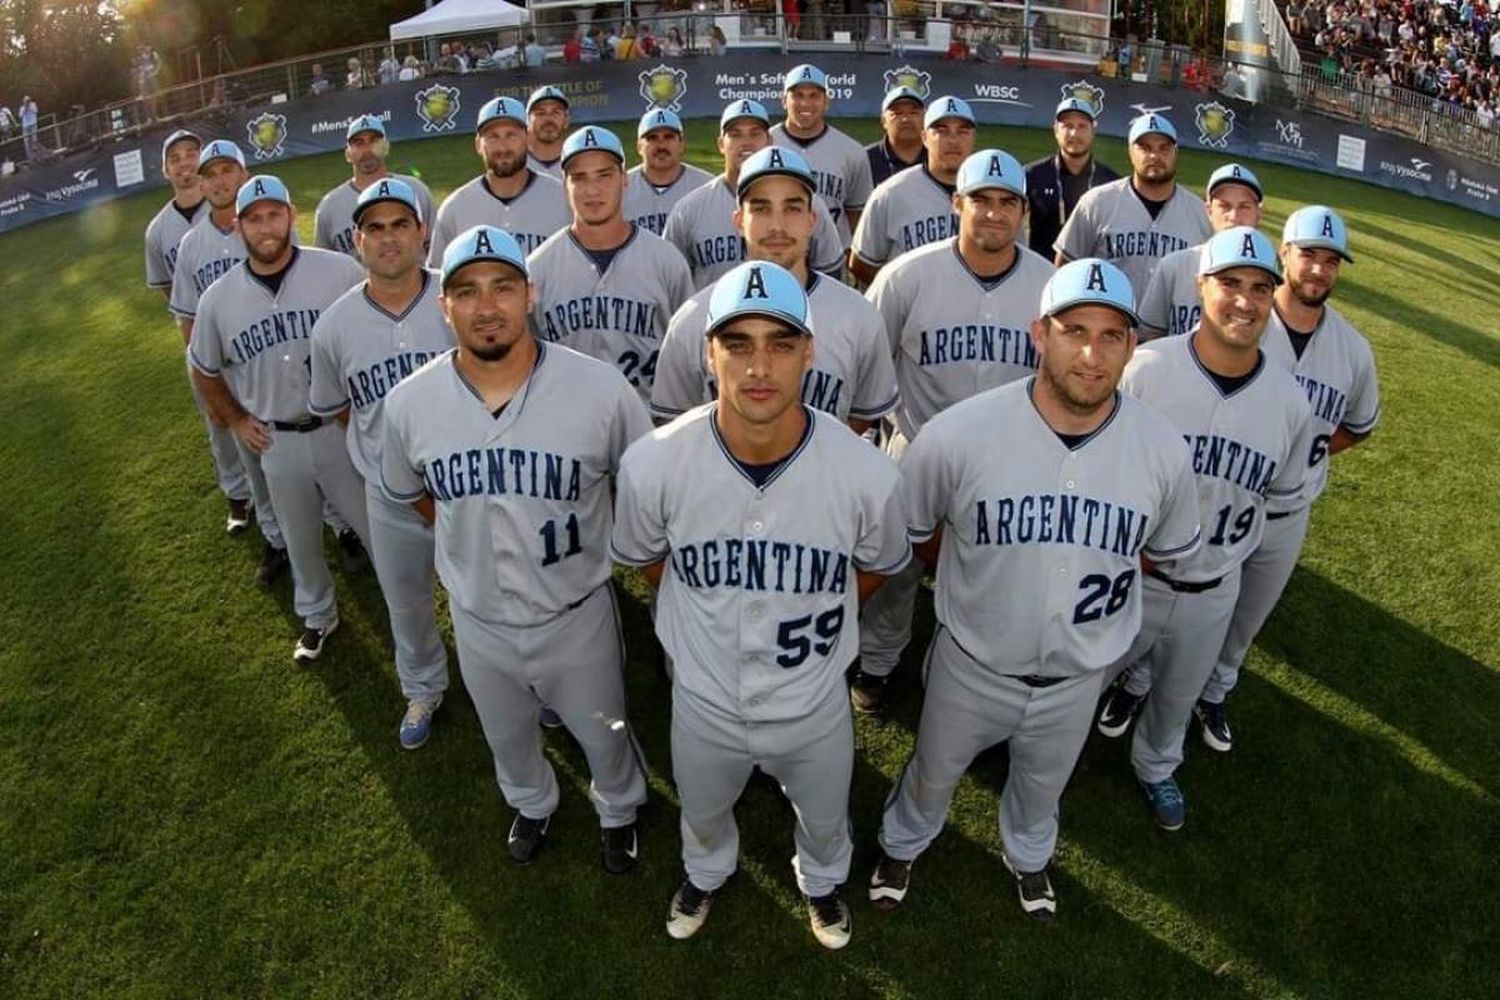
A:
{"x":797,"y":646}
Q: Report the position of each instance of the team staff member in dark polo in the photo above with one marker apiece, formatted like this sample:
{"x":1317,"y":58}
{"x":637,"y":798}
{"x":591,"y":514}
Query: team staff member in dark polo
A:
{"x":1055,"y":183}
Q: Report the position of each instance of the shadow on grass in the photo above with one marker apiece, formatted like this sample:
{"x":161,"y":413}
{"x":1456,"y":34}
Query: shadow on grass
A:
{"x":1460,"y":265}
{"x":1475,"y":343}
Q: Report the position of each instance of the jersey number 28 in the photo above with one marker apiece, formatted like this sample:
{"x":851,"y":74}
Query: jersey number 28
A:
{"x":1102,"y":596}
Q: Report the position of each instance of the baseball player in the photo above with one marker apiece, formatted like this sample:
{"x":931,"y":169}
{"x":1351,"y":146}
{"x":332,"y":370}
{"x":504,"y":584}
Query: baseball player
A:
{"x":915,"y":207}
{"x":1170,"y":305}
{"x":508,"y":446}
{"x":1055,"y":183}
{"x":901,"y":146}
{"x":527,"y":204}
{"x":365,"y":150}
{"x":974,"y":335}
{"x":661,"y":179}
{"x":1333,"y":364}
{"x":851,"y":375}
{"x":604,"y":286}
{"x":1038,"y":545}
{"x":1246,"y":423}
{"x":209,"y":250}
{"x":1136,"y":221}
{"x":787,"y":522}
{"x":187,"y":208}
{"x":546,"y":125}
{"x":701,"y":225}
{"x":250,"y":352}
{"x":363,"y":345}
{"x":839,"y":164}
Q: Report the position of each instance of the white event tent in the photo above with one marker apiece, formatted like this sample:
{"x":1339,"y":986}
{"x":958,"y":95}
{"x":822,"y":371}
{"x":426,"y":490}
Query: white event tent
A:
{"x":457,"y":17}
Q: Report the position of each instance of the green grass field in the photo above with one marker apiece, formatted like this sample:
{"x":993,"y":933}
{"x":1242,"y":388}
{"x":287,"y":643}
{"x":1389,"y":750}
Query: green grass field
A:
{"x":188,"y":814}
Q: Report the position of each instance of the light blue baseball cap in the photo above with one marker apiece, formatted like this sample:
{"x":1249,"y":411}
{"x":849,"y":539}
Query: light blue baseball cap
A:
{"x":1075,"y":104}
{"x":1317,"y":226}
{"x":1151,"y":124}
{"x":592,"y":139}
{"x":744,"y":109}
{"x":992,"y":168}
{"x":365,"y":123}
{"x":482,"y":243}
{"x":500,"y":107}
{"x":775,"y":161}
{"x":1089,"y":281}
{"x":758,"y":288}
{"x":806,"y":73}
{"x":180,"y":135}
{"x":1234,"y":173}
{"x":220,"y":149}
{"x":948,"y":106}
{"x":387,"y":189}
{"x":547,"y":93}
{"x":658,"y":118}
{"x":261,"y":187}
{"x":902,"y":94}
{"x":1242,"y":246}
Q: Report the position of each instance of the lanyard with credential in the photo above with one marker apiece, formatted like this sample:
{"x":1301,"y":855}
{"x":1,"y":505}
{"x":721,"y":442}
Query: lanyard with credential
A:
{"x":1062,"y":194}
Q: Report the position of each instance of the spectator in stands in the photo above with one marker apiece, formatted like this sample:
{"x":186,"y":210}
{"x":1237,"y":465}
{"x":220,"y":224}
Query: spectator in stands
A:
{"x":7,"y":123}
{"x":533,"y":54}
{"x":716,"y":41}
{"x":1294,"y":17}
{"x":626,"y":47}
{"x":645,"y":42}
{"x":793,"y":12}
{"x":320,"y":84}
{"x":390,"y":68}
{"x":356,"y":78}
{"x":29,"y":117}
{"x":592,"y":51}
{"x":673,"y":47}
{"x":411,"y":69}
{"x":446,"y":62}
{"x":609,"y":46}
{"x":573,"y":47}
{"x":1381,"y":83}
{"x":146,"y":69}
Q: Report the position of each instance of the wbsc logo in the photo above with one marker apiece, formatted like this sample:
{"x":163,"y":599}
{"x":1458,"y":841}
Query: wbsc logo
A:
{"x":1290,"y":133}
{"x":1215,"y":124}
{"x":1082,"y":90}
{"x":909,"y":76}
{"x":437,"y":106}
{"x":266,"y":133}
{"x":663,"y":87}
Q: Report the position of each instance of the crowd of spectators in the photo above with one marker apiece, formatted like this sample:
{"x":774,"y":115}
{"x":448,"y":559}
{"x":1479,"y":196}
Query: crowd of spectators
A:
{"x":1447,"y":50}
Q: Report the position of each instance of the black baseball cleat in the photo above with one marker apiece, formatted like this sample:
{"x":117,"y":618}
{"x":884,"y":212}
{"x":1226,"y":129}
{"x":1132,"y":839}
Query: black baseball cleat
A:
{"x":310,"y":645}
{"x":526,"y":838}
{"x":355,"y":558}
{"x":1034,"y":889}
{"x":867,"y":693}
{"x":1119,"y":708}
{"x":273,"y":563}
{"x":239,"y":516}
{"x":889,"y":881}
{"x":621,"y":849}
{"x":1215,"y":725}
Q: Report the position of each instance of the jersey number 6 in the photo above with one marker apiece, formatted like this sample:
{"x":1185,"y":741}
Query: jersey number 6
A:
{"x":796,"y":647}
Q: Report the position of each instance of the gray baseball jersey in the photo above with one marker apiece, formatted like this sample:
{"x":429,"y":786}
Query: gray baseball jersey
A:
{"x":617,"y":315}
{"x":552,"y":168}
{"x":851,"y":373}
{"x":163,"y":235}
{"x":1042,"y":543}
{"x":841,"y":168}
{"x":967,"y":336}
{"x":701,"y":225}
{"x":540,"y":210}
{"x":205,"y":254}
{"x":758,"y":607}
{"x":522,"y":498}
{"x":258,"y":341}
{"x":1112,"y":222}
{"x":1171,"y":302}
{"x":360,"y":353}
{"x":1247,"y":447}
{"x":648,"y":205}
{"x":333,"y":223}
{"x":1337,"y":375}
{"x":909,"y":210}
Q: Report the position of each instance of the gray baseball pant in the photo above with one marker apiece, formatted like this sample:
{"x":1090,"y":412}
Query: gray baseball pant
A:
{"x":401,"y":546}
{"x":1263,"y":577}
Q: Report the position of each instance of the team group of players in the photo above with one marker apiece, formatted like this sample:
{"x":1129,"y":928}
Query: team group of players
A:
{"x":1107,"y":453}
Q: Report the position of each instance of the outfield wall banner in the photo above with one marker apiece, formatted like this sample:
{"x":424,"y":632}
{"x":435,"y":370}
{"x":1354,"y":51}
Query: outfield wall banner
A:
{"x":700,"y":87}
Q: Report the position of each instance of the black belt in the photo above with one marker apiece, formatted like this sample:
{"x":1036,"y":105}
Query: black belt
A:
{"x":1036,"y":680}
{"x":1184,"y":588}
{"x":298,"y":426}
{"x":1277,"y":517}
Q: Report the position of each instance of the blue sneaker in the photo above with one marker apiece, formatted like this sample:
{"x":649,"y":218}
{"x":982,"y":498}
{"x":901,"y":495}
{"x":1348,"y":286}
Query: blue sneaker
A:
{"x":416,"y":725}
{"x":1166,"y":801}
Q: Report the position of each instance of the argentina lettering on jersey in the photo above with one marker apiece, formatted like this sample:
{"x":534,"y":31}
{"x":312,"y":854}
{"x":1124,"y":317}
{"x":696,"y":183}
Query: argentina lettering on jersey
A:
{"x":1060,"y":519}
{"x":1141,"y":243}
{"x":369,"y":385}
{"x":171,"y":258}
{"x":269,"y":331}
{"x":652,"y":222}
{"x":212,"y":271}
{"x":1327,"y":401}
{"x":1184,"y":318}
{"x":718,"y":250}
{"x":920,"y":232}
{"x":759,"y":564}
{"x":601,"y":312}
{"x":831,"y":187}
{"x":977,"y":342}
{"x":1232,"y":461}
{"x":476,"y":472}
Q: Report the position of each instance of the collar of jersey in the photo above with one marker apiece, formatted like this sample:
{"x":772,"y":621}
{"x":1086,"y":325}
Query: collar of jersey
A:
{"x":804,"y":143}
{"x":634,"y":229}
{"x":682,"y":172}
{"x":531,"y":175}
{"x":521,"y":394}
{"x":1031,"y":387}
{"x":382,"y":310}
{"x":988,"y":284}
{"x":1192,"y":349}
{"x":782,"y":466}
{"x":947,"y":189}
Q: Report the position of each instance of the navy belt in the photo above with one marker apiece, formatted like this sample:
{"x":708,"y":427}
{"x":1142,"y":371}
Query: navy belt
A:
{"x":1277,"y":517}
{"x":1036,"y":680}
{"x":1182,"y":587}
{"x":298,"y":426}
